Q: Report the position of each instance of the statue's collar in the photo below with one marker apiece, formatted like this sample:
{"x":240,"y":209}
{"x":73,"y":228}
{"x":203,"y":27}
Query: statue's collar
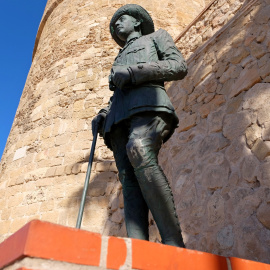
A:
{"x":128,"y":43}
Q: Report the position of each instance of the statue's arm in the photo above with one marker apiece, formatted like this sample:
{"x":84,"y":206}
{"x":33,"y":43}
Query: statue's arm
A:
{"x":171,"y":65}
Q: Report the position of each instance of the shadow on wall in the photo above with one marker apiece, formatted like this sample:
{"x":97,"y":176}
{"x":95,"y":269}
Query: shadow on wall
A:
{"x":104,"y":205}
{"x":103,"y":211}
{"x":219,"y":156}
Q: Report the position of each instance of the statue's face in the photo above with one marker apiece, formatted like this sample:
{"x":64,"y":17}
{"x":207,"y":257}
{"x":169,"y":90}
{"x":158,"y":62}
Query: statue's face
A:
{"x":125,"y":26}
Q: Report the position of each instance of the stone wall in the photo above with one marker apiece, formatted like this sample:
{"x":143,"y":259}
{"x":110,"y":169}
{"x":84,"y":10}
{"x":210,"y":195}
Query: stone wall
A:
{"x":44,"y":163}
{"x":218,"y":160}
{"x":216,"y":15}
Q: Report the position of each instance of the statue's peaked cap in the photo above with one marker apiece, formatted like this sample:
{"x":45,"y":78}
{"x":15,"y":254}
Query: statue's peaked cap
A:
{"x":136,"y":11}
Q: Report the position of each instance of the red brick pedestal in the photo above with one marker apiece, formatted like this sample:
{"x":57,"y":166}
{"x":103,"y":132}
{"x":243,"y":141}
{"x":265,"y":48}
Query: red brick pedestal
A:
{"x":46,"y":246}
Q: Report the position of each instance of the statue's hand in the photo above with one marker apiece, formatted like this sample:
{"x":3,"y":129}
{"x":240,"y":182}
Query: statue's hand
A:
{"x":97,"y":123}
{"x":120,"y":76}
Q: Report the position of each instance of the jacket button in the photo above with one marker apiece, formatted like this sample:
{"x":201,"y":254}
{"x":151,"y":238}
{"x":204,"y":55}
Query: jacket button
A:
{"x":140,"y":66}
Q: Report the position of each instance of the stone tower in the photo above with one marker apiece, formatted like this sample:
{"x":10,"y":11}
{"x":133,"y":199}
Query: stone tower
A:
{"x":218,"y":159}
{"x":44,"y":163}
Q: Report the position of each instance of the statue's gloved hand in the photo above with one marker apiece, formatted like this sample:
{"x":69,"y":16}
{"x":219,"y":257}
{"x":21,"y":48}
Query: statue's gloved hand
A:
{"x":120,"y":76}
{"x":97,"y":123}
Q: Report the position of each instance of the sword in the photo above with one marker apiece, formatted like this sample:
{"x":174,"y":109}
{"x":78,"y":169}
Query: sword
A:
{"x":87,"y":177}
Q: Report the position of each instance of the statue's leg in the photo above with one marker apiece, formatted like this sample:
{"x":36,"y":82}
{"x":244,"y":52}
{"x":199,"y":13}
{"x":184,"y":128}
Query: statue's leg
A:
{"x":135,"y":207}
{"x":146,"y":135}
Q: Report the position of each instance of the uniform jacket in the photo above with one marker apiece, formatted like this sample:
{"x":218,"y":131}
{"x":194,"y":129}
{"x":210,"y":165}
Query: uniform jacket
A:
{"x":151,"y":60}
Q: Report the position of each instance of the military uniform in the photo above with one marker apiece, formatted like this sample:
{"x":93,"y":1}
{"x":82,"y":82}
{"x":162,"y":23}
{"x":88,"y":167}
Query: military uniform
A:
{"x":151,"y":60}
{"x":139,"y":118}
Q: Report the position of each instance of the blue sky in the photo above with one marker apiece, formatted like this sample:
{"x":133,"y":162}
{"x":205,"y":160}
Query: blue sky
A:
{"x":19,"y":21}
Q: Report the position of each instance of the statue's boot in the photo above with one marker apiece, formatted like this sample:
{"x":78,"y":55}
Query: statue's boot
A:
{"x":159,"y":198}
{"x":147,"y":134}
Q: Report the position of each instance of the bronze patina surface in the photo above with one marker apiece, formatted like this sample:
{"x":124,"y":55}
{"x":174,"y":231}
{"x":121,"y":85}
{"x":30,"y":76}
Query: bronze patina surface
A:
{"x":140,"y":117}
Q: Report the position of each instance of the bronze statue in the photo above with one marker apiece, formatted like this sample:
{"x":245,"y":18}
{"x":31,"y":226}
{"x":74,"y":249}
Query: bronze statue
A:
{"x":140,"y":117}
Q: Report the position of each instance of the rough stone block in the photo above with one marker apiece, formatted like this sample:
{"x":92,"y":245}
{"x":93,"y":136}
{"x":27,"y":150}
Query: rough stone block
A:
{"x":107,"y":177}
{"x":237,"y":150}
{"x":31,"y":137}
{"x":56,"y":161}
{"x":201,"y":74}
{"x":261,"y":149}
{"x":114,"y":204}
{"x":232,"y":72}
{"x":208,"y":97}
{"x":247,"y":61}
{"x":264,"y":71}
{"x":257,"y":50}
{"x":266,"y":131}
{"x":78,"y":105}
{"x":60,"y":170}
{"x":252,"y":134}
{"x":19,"y":211}
{"x":262,"y":17}
{"x":51,"y":216}
{"x":45,"y":206}
{"x":48,"y":143}
{"x":68,"y":169}
{"x":256,"y":96}
{"x":235,"y":125}
{"x":214,"y":121}
{"x":103,"y":166}
{"x":20,"y":153}
{"x":186,"y":121}
{"x":5,"y":214}
{"x":15,"y":200}
{"x":113,"y":167}
{"x":5,"y":227}
{"x":225,"y":237}
{"x":238,"y":55}
{"x":234,"y":104}
{"x":264,"y":60}
{"x":215,"y":209}
{"x":226,"y":88}
{"x":205,"y":109}
{"x":79,"y":87}
{"x":110,"y":188}
{"x":81,"y":74}
{"x":188,"y":195}
{"x":208,"y":85}
{"x":118,"y":216}
{"x":216,"y":176}
{"x":85,"y":166}
{"x":263,"y":115}
{"x":85,"y":114}
{"x":62,"y":139}
{"x":14,"y":181}
{"x":263,"y":174}
{"x":11,"y":191}
{"x":211,"y":144}
{"x":35,"y":174}
{"x":249,"y":167}
{"x":50,"y":172}
{"x":247,"y":78}
{"x":97,"y":188}
{"x":76,"y":168}
{"x":46,"y":132}
{"x":17,"y":223}
{"x":263,"y":215}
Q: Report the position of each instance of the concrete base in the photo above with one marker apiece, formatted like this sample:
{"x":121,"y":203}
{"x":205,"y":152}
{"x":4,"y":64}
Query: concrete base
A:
{"x":46,"y":246}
